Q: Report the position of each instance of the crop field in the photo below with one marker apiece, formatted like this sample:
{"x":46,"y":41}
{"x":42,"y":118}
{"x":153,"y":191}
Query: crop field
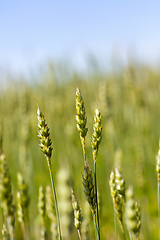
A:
{"x":129,"y":106}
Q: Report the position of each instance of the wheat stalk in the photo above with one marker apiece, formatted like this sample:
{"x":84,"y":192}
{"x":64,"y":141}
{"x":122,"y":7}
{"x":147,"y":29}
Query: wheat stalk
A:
{"x":45,"y":145}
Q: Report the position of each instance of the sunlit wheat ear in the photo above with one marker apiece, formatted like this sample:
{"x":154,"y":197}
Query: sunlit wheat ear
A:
{"x":132,"y":215}
{"x":6,"y":197}
{"x":50,"y":210}
{"x":97,"y":133}
{"x":81,"y":119}
{"x":138,"y":216}
{"x":117,"y":200}
{"x":41,"y":203}
{"x":43,"y":135}
{"x":77,"y":214}
{"x":23,"y":191}
{"x":120,"y":184}
{"x":42,"y":210}
{"x":20,"y":211}
{"x":20,"y":214}
{"x":45,"y":145}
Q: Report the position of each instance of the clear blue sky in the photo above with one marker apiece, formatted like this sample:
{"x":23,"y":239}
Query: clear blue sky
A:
{"x":31,"y":32}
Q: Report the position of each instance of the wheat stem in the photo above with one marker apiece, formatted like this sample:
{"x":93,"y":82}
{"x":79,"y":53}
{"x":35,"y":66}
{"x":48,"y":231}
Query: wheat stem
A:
{"x":115,"y":222}
{"x":56,"y":205}
{"x":95,"y":183}
{"x":96,"y":227}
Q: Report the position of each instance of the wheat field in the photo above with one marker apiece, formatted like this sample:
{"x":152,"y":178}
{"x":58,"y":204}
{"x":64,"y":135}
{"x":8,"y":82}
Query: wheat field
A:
{"x":129,"y":105}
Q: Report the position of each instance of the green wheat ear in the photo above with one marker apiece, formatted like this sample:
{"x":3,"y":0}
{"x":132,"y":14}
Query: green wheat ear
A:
{"x":117,"y":197}
{"x":132,"y":215}
{"x":77,"y":214}
{"x":43,"y":135}
{"x":97,"y":133}
{"x":45,"y":145}
{"x":81,"y":115}
{"x":81,"y":120}
{"x":89,"y":191}
{"x":6,"y":197}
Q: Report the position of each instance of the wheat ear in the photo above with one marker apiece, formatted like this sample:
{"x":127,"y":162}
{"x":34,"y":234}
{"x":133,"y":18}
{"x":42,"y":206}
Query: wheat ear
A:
{"x":81,"y":120}
{"x":6,"y":197}
{"x":89,"y":191}
{"x":45,"y":145}
{"x":117,"y":198}
{"x":96,"y":140}
{"x":77,"y":214}
{"x":23,"y":199}
{"x":132,"y":215}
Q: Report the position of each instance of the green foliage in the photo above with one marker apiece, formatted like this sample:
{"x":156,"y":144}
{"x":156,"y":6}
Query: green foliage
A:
{"x":129,"y":106}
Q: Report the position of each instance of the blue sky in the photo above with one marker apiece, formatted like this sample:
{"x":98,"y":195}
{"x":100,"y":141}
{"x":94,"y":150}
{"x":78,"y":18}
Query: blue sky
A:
{"x":33,"y":32}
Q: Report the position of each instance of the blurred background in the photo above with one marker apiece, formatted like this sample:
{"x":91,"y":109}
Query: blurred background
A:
{"x":111,"y":50}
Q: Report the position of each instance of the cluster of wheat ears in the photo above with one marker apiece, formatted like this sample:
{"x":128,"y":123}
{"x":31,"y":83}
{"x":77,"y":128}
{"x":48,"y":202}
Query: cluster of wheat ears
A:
{"x":126,"y":209}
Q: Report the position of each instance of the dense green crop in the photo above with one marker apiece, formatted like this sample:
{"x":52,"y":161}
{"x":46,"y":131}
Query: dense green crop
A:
{"x":129,"y":106}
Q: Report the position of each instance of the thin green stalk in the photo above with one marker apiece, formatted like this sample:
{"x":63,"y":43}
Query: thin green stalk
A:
{"x":56,"y":205}
{"x":124,"y":236}
{"x":95,"y":182}
{"x":130,"y":235}
{"x":96,"y":227}
{"x":115,"y":222}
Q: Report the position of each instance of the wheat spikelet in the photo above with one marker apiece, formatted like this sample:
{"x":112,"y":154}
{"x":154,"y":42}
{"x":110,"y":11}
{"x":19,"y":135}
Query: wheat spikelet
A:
{"x":97,"y":133}
{"x":117,"y":199}
{"x":77,"y":214}
{"x":132,"y":214}
{"x":43,"y":135}
{"x":6,"y":196}
{"x":87,"y":181}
